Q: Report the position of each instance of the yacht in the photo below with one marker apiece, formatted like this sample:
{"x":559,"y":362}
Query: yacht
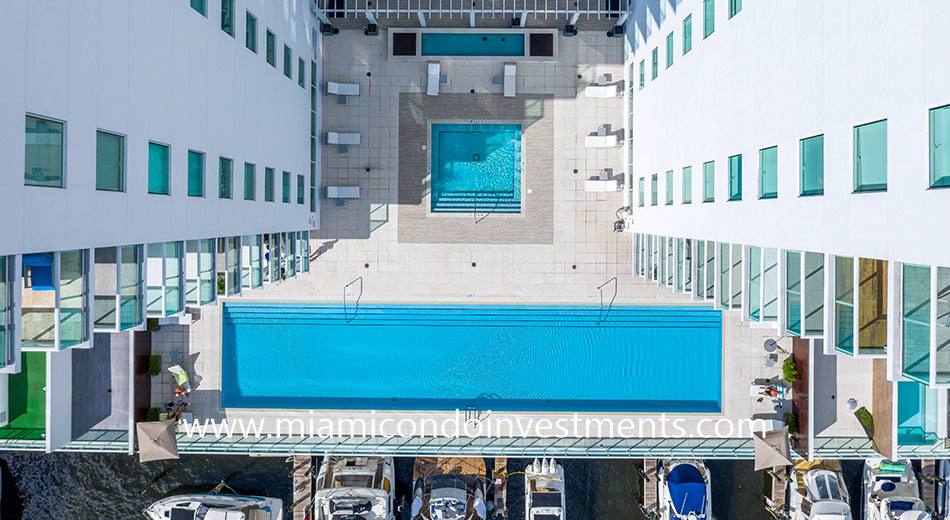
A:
{"x":684,"y":491}
{"x":544,"y":490}
{"x":817,"y":491}
{"x":214,"y":506}
{"x":354,"y":488}
{"x":449,"y":488}
{"x":891,"y":491}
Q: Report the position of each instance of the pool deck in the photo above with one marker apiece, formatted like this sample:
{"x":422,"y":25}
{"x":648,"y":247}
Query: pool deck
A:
{"x":367,"y":237}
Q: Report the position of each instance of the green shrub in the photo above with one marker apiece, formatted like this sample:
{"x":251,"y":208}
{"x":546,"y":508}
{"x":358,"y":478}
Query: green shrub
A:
{"x":791,"y":422}
{"x":152,"y":414}
{"x":151,"y":324}
{"x":220,"y":285}
{"x":154,"y":365}
{"x":789,"y":372}
{"x":866,"y":420}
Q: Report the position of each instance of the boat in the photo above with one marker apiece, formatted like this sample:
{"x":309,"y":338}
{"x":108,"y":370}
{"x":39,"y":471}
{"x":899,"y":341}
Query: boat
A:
{"x":215,"y":506}
{"x":683,"y":491}
{"x":544,"y":495}
{"x":891,"y":491}
{"x":354,"y":488}
{"x":817,"y":491}
{"x":449,"y":488}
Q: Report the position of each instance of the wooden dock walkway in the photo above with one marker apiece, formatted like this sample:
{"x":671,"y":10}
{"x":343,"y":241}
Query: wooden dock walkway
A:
{"x":303,"y":486}
{"x":776,"y":485}
{"x":928,"y":487}
{"x":648,"y":486}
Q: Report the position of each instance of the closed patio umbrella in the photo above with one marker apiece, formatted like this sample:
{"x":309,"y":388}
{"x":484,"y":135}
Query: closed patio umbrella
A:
{"x":771,"y":449}
{"x":157,"y":440}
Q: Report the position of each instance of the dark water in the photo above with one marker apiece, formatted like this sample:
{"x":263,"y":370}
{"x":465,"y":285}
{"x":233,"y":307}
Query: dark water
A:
{"x":94,"y":486}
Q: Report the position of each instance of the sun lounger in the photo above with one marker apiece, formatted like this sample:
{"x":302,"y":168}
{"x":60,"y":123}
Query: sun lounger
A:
{"x":602,"y":91}
{"x":434,"y":78}
{"x":181,"y":377}
{"x":343,"y":89}
{"x":343,"y":138}
{"x":509,"y":80}
{"x":601,"y":141}
{"x":342,"y":192}
{"x":597,"y":185}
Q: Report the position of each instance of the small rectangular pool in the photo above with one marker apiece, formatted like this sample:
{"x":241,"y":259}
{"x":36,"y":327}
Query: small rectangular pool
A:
{"x":468,"y":44}
{"x":475,"y":167}
{"x":554,"y":358}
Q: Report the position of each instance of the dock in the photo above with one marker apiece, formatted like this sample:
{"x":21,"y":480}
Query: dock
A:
{"x":500,"y":483}
{"x":928,"y":482}
{"x":776,"y":486}
{"x":648,"y":487}
{"x":303,"y":486}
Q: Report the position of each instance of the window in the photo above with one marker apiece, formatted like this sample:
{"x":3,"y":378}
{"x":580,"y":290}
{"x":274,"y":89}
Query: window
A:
{"x":687,"y":34}
{"x":709,"y":17}
{"x":669,"y":187}
{"x":300,"y":189}
{"x":157,"y":169}
{"x":870,"y":156}
{"x":768,"y":173}
{"x":285,"y":188}
{"x":225,"y":167}
{"x":250,"y":37}
{"x":227,"y":16}
{"x":655,"y":62}
{"x":196,"y":174}
{"x":735,"y":177}
{"x":642,"y":188}
{"x":654,"y":182}
{"x":269,"y":184}
{"x":940,"y":147}
{"x":813,"y":165}
{"x":687,"y":185}
{"x":301,"y":72}
{"x":271,"y":49}
{"x":669,"y":50}
{"x":709,"y":181}
{"x":44,"y":153}
{"x":201,"y":6}
{"x":288,"y":63}
{"x":250,"y":179}
{"x":642,"y":73}
{"x":734,"y":7}
{"x":110,"y":161}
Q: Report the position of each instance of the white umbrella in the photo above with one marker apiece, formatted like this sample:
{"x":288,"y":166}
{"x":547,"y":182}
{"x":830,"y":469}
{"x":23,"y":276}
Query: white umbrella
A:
{"x":157,"y":440}
{"x":771,"y":449}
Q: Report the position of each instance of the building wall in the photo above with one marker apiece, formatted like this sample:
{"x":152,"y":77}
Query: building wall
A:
{"x":151,"y":71}
{"x":778,"y":72}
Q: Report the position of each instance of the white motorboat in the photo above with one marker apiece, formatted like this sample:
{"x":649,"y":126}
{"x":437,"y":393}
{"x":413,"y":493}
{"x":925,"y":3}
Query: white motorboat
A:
{"x":214,"y":506}
{"x":449,"y":488}
{"x":817,"y":491}
{"x":684,"y":492}
{"x":892,"y":492}
{"x":354,"y":488}
{"x":544,"y":491}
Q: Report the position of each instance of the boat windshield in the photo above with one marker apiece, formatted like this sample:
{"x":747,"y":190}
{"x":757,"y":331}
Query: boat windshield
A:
{"x":449,"y":482}
{"x":353,"y":481}
{"x":827,"y":486}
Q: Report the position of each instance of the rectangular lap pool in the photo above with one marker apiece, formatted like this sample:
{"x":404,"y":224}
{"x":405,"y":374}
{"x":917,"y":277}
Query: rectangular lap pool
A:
{"x":467,"y":44}
{"x":551,"y":358}
{"x":476,"y":167}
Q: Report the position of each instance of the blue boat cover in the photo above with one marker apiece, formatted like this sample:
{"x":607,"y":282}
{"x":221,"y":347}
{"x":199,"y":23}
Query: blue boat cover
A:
{"x":687,"y":490}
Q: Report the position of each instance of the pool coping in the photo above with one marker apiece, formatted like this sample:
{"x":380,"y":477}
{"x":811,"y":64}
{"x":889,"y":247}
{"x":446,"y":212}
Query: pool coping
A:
{"x":482,"y":59}
{"x":427,"y":197}
{"x":311,"y":411}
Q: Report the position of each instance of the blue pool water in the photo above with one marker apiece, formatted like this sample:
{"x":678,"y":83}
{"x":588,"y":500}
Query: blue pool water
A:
{"x":466,"y":44}
{"x":493,"y":357}
{"x":476,"y":167}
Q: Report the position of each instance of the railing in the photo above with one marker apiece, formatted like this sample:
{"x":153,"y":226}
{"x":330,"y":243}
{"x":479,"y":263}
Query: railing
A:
{"x":356,"y":307}
{"x":490,"y":9}
{"x":603,"y":313}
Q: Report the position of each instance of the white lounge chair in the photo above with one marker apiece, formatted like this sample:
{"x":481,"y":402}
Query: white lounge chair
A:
{"x":600,"y":186}
{"x":601,"y":141}
{"x":343,"y":192}
{"x":343,"y":89}
{"x":602,"y":91}
{"x":343,"y":138}
{"x":433,"y":69}
{"x":509,"y":80}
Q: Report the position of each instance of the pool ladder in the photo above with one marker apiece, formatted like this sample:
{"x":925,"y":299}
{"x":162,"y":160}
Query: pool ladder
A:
{"x":604,"y":312}
{"x":356,"y":305}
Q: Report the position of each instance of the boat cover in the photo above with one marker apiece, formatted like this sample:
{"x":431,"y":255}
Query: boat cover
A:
{"x":687,"y":490}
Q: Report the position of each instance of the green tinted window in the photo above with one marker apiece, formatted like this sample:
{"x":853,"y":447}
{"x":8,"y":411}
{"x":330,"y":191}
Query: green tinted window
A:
{"x":201,"y":6}
{"x":288,"y":62}
{"x":227,"y":16}
{"x":225,"y":169}
{"x":285,"y":187}
{"x":735,"y":177}
{"x":642,"y":73}
{"x":709,"y":17}
{"x":940,"y":146}
{"x":300,"y":189}
{"x":250,"y":35}
{"x":642,"y":188}
{"x":271,"y":50}
{"x":157,"y":169}
{"x":44,"y":153}
{"x":669,"y":187}
{"x":687,"y":185}
{"x":269,"y":184}
{"x":669,"y":50}
{"x":768,"y":173}
{"x":301,"y":72}
{"x":655,"y":61}
{"x":250,"y":179}
{"x":687,"y":34}
{"x":734,"y":7}
{"x":870,"y":156}
{"x":812,"y":156}
{"x":110,"y":162}
{"x":709,"y":181}
{"x":654,"y":188}
{"x":196,"y":174}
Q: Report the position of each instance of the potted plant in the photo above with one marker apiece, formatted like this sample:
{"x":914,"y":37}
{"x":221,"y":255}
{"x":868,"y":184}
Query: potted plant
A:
{"x":152,"y":414}
{"x":792,"y":422}
{"x":154,"y":365}
{"x":789,"y":372}
{"x":866,"y":420}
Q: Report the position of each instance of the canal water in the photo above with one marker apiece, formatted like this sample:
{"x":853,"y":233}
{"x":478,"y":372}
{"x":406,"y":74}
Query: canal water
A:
{"x":109,"y":486}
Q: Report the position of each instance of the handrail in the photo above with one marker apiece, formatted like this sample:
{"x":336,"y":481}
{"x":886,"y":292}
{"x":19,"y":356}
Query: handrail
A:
{"x":346,"y":314}
{"x":603,"y":314}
